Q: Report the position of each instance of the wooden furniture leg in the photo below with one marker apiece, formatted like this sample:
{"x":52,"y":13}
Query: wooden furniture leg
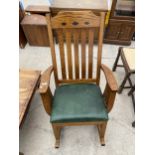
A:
{"x":133,"y":99}
{"x":101,"y":130}
{"x":123,"y":83}
{"x":57,"y":133}
{"x":131,"y":91}
{"x":117,"y":58}
{"x":132,"y":95}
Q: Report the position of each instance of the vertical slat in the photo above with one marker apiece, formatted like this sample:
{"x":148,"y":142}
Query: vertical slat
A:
{"x":76,"y":50}
{"x":50,"y":35}
{"x":83,"y":50}
{"x":69,"y":52}
{"x":90,"y":53}
{"x":62,"y":54}
{"x":100,"y":43}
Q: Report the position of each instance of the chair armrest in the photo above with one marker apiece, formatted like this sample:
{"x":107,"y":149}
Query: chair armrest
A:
{"x":45,"y":91}
{"x":111,"y":87}
{"x":45,"y":80}
{"x":111,"y":81}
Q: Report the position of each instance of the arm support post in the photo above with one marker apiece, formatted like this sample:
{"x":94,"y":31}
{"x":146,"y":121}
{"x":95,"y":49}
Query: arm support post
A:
{"x":111,"y":87}
{"x":45,"y":91}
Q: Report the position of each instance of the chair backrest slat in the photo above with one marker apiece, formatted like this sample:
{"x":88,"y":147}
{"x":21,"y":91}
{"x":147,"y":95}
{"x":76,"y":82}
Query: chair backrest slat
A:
{"x":75,"y":28}
{"x":69,"y":52}
{"x":62,"y":52}
{"x":83,"y":52}
{"x":76,"y":52}
{"x":90,"y":57}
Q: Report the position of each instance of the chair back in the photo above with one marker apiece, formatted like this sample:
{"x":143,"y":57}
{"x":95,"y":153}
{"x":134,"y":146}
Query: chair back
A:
{"x":75,"y":30}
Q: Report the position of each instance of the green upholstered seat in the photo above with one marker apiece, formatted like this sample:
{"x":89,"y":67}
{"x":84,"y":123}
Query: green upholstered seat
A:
{"x":78,"y":103}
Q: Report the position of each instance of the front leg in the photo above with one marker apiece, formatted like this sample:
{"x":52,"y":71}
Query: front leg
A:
{"x":57,"y":133}
{"x":101,"y":130}
{"x":109,"y":97}
{"x":47,"y":100}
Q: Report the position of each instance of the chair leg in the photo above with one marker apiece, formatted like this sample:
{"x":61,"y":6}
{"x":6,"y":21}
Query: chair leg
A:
{"x":123,"y":83}
{"x":57,"y":132}
{"x":101,"y":130}
{"x":131,"y":90}
{"x":117,"y":58}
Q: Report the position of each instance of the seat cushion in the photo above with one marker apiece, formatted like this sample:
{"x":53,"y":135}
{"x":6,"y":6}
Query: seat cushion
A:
{"x":78,"y":103}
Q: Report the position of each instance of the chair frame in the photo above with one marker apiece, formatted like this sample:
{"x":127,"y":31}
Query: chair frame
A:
{"x":131,"y":93}
{"x":111,"y":85}
{"x":128,"y":71}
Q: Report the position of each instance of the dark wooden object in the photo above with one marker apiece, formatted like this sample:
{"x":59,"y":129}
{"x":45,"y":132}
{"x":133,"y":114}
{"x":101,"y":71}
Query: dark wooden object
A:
{"x":128,"y":70}
{"x":22,"y":38}
{"x":131,"y":93}
{"x":120,"y":29}
{"x":28,"y":82}
{"x":77,"y":25}
{"x":119,"y":32}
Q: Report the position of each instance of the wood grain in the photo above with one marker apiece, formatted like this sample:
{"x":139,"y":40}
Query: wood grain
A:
{"x":38,"y":9}
{"x":83,"y":50}
{"x":109,"y":97}
{"x":76,"y":52}
{"x":35,"y":30}
{"x":90,"y":53}
{"x":47,"y":99}
{"x":100,"y":43}
{"x":52,"y":47}
{"x":101,"y":130}
{"x":45,"y":79}
{"x":73,"y":26}
{"x":109,"y":78}
{"x":62,"y":53}
{"x":78,"y":81}
{"x":69,"y":52}
{"x":44,"y":89}
{"x":78,"y":123}
{"x":28,"y":80}
{"x":111,"y":87}
{"x":100,"y":5}
{"x":72,"y":19}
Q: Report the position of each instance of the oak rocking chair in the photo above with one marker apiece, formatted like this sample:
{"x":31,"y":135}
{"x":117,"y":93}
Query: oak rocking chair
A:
{"x":77,"y":99}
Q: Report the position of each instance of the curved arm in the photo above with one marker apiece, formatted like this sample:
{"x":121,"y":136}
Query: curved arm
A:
{"x":111,"y":87}
{"x":110,"y":78}
{"x":45,"y":91}
{"x":45,"y":80}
